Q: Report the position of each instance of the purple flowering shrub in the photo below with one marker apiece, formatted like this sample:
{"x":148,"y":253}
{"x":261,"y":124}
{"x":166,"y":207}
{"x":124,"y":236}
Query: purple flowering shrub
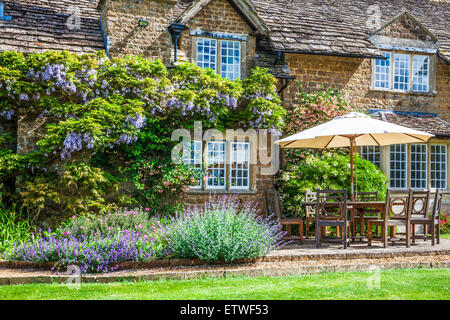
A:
{"x":223,"y":229}
{"x":92,"y":254}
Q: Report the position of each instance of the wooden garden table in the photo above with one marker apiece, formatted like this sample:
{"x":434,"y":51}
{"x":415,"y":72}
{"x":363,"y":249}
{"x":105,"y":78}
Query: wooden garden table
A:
{"x":353,"y":206}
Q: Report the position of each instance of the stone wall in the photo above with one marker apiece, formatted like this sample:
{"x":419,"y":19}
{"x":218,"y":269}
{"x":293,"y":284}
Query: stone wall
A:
{"x":220,"y":17}
{"x":353,"y":75}
{"x":120,"y":20}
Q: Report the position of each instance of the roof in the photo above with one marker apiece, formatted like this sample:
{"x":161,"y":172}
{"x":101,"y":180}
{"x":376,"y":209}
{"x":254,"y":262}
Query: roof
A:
{"x":41,"y":25}
{"x":336,"y":27}
{"x":428,"y":122}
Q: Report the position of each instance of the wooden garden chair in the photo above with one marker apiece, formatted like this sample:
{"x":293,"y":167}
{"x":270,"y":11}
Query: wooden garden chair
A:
{"x":274,"y":207}
{"x":363,"y":215}
{"x":331,"y":211}
{"x":397,"y":213}
{"x":432,"y":222}
{"x":310,"y":211}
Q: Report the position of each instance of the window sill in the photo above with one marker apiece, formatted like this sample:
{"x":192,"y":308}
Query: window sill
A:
{"x":221,"y":191}
{"x":400,"y":92}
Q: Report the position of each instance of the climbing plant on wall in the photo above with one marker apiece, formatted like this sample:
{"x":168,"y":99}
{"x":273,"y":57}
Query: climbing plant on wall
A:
{"x":106,"y":123}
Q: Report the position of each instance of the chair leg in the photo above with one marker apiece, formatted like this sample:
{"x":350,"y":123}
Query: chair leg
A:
{"x":413,"y":233}
{"x":345,"y":236}
{"x":300,"y":231}
{"x":433,"y":234}
{"x":318,"y":234}
{"x":438,"y":238}
{"x":369,"y":234}
{"x":408,"y":235}
{"x":385,"y":235}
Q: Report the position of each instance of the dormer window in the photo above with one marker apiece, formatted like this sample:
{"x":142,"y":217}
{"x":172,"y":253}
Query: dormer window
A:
{"x":402,"y":72}
{"x":219,"y":54}
{"x":2,"y":12}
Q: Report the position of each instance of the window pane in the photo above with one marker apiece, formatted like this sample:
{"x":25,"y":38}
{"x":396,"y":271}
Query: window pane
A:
{"x":419,"y":165}
{"x":240,"y":165}
{"x":216,"y":165}
{"x":231,"y":59}
{"x":383,"y":72}
{"x":438,"y":166}
{"x":402,"y":71}
{"x":372,"y":154}
{"x":192,"y":156}
{"x":398,"y":166}
{"x":420,"y":73}
{"x":206,"y":53}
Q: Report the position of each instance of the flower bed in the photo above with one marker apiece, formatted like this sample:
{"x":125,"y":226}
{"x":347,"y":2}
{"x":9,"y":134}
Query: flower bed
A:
{"x":222,"y":230}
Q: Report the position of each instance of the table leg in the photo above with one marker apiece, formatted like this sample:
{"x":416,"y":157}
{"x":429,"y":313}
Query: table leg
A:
{"x":361,"y":224}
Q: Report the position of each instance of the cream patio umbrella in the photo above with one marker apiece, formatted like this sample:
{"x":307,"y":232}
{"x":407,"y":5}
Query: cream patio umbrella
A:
{"x":351,"y":130}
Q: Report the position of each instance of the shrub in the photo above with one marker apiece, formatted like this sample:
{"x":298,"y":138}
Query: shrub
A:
{"x":223,"y":229}
{"x":15,"y":227}
{"x":329,"y":171}
{"x":92,"y":254}
{"x":445,"y":222}
{"x":112,"y":223}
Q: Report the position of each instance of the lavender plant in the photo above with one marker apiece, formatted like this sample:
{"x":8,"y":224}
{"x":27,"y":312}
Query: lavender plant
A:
{"x":92,"y":254}
{"x":223,"y":229}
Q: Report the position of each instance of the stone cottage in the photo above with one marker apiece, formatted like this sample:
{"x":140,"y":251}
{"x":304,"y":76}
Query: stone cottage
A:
{"x":390,"y":57}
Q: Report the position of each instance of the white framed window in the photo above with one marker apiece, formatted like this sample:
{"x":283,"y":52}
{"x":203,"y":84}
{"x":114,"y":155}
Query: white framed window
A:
{"x":223,"y":56}
{"x":216,"y":165}
{"x":421,"y":66}
{"x":230,"y":63}
{"x":383,"y":72}
{"x":398,"y":163}
{"x":207,"y":53}
{"x":192,"y":156}
{"x":438,"y":174}
{"x":419,"y":166}
{"x":240,"y":165}
{"x":402,"y":70}
{"x":372,"y":154}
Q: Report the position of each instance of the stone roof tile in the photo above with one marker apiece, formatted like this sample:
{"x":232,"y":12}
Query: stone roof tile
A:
{"x":428,"y":122}
{"x":41,"y":25}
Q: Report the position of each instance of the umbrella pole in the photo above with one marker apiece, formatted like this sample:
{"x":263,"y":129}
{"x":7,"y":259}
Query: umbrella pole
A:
{"x":352,"y":141}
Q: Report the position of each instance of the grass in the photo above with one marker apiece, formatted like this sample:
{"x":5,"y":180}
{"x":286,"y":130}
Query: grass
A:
{"x":445,"y":235}
{"x":394,"y":284}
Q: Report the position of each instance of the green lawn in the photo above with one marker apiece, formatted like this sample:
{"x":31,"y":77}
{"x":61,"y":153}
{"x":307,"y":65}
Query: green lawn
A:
{"x":445,"y":236}
{"x":394,"y":284}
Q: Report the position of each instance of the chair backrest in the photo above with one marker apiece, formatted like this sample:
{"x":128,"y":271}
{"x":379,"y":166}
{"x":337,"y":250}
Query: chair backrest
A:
{"x":437,"y":204}
{"x":420,"y":201}
{"x":331,"y":203}
{"x":273,"y":203}
{"x":398,"y":204}
{"x":366,"y":196}
{"x":310,"y":196}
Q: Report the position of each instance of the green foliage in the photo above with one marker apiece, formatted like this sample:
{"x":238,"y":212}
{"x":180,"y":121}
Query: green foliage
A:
{"x":329,"y":171}
{"x":223,"y":229}
{"x":108,"y":224}
{"x":15,"y":227}
{"x":108,"y":123}
{"x":312,"y":109}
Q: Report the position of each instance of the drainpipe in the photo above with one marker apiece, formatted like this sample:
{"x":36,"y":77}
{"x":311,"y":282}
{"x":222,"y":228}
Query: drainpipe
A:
{"x":287,"y":81}
{"x":176,"y":29}
{"x":105,"y":38}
